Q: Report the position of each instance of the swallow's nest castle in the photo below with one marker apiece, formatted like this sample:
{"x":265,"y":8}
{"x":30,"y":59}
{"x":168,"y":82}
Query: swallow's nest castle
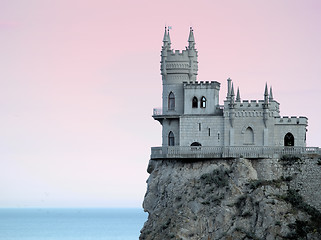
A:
{"x":194,"y":125}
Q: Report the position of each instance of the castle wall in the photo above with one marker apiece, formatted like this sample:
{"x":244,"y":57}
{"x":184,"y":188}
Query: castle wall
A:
{"x":170,"y":125}
{"x":178,"y":91}
{"x":244,"y":123}
{"x":210,"y":90}
{"x":210,"y":133}
{"x":296,"y":126}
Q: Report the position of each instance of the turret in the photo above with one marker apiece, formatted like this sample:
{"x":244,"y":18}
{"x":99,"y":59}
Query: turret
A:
{"x":238,"y":97}
{"x":228,"y":97}
{"x":232,"y":96}
{"x":179,"y":66}
{"x":265,"y":106}
{"x":191,"y":40}
{"x":271,"y":95}
{"x":169,"y":39}
{"x":266,"y":94}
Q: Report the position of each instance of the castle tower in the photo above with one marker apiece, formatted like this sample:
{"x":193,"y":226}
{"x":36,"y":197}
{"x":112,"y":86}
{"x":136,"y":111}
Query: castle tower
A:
{"x":177,"y":67}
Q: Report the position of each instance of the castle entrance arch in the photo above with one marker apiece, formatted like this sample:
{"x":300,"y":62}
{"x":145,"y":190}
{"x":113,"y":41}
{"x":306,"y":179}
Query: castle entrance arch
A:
{"x":288,"y":139}
{"x":196,"y":144}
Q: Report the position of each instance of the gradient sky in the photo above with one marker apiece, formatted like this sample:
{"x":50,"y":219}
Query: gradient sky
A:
{"x":79,"y":79}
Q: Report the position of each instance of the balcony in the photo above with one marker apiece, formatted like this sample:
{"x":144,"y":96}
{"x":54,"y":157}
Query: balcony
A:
{"x":199,"y":152}
{"x":157,"y":111}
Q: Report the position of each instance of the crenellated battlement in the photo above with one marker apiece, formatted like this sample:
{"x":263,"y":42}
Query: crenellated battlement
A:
{"x":178,"y":63}
{"x":285,"y":120}
{"x":202,"y":84}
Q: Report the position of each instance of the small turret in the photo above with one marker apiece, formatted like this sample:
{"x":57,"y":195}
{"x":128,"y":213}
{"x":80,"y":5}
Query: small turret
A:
{"x":266,"y":94}
{"x":232,"y":94}
{"x":265,"y":106}
{"x":228,"y":97}
{"x":191,"y":40}
{"x":271,"y":95}
{"x":169,"y":39}
{"x":165,"y":38}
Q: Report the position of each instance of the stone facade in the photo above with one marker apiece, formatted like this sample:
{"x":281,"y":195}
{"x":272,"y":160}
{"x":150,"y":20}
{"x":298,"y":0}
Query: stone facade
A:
{"x":191,"y":114}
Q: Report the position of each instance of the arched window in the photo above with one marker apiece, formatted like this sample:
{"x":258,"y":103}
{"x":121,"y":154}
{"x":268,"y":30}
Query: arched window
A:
{"x":171,"y":139}
{"x":194,"y":102}
{"x":249,"y":136}
{"x":171,"y":101}
{"x":289,"y":139}
{"x":196,"y":144}
{"x":203,"y":102}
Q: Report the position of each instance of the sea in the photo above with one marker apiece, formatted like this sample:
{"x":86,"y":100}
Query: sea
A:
{"x":71,"y":223}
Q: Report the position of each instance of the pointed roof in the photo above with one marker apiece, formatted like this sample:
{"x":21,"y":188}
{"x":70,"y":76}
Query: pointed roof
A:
{"x":232,"y":91}
{"x":191,"y":35}
{"x":165,"y":38}
{"x":266,"y":93}
{"x":271,"y":94}
{"x":238,"y":98}
{"x":168,"y":37}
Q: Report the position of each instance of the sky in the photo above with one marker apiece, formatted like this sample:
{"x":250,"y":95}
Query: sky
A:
{"x":79,"y":80}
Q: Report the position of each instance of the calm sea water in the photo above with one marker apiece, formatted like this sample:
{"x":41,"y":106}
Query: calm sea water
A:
{"x":71,"y":224}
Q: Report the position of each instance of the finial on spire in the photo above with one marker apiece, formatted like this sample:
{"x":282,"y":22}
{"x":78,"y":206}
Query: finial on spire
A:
{"x":238,"y":98}
{"x":191,"y":40}
{"x":271,"y":94}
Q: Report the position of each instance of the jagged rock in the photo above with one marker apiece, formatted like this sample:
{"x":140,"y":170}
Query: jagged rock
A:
{"x":223,"y":199}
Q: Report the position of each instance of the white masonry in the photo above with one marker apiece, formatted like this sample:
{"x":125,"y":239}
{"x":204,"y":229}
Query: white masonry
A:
{"x":191,"y":114}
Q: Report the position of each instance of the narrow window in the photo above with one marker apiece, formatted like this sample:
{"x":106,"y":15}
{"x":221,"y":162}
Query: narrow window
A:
{"x":218,"y":136}
{"x":199,"y":127}
{"x":194,"y":102}
{"x":171,"y":101}
{"x":203,"y":102}
{"x":209,"y":132}
{"x":171,"y":139}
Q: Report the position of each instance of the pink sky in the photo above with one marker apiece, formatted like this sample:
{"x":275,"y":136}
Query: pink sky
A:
{"x":79,"y":79}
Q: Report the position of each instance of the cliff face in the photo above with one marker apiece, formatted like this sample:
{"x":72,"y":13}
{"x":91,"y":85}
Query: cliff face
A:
{"x":233,"y":199}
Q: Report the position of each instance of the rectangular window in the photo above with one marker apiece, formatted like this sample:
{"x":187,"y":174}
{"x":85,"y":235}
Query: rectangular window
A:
{"x":209,"y":132}
{"x":199,"y":127}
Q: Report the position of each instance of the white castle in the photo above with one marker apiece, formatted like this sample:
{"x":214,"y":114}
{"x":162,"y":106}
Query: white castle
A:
{"x":194,"y":125}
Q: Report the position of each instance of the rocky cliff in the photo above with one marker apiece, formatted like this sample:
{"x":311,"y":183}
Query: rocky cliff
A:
{"x":233,"y":199}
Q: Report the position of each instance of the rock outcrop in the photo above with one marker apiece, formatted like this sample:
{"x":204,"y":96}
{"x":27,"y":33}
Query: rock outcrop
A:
{"x":233,"y":199}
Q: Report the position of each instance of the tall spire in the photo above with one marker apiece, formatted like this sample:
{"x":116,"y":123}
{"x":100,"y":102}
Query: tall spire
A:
{"x":168,"y":38}
{"x":191,"y":40}
{"x":271,"y":95}
{"x":238,"y":98}
{"x":232,"y":94}
{"x":165,"y":38}
{"x":232,"y":91}
{"x":266,"y":94}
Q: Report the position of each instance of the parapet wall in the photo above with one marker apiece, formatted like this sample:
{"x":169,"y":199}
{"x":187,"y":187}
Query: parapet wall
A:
{"x":253,"y":104}
{"x":202,"y":85}
{"x":286,"y":120}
